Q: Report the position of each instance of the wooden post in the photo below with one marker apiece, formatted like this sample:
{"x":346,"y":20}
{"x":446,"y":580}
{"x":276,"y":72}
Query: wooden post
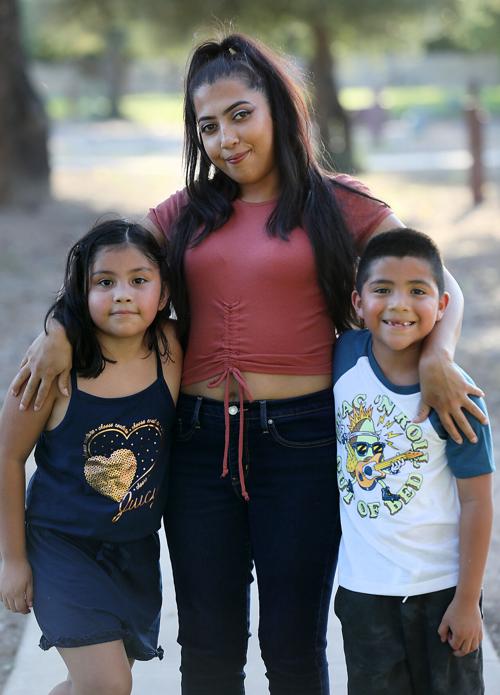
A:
{"x":475,"y":122}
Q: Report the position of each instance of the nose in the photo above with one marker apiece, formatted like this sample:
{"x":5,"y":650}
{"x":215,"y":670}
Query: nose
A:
{"x":122,"y":293}
{"x":228,"y":137}
{"x":398,"y":301}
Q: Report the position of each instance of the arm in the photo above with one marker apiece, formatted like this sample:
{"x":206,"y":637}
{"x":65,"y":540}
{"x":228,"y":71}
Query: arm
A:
{"x":443,"y":386}
{"x":19,"y":431}
{"x":462,"y":624}
{"x":48,"y":358}
{"x":172,"y":368}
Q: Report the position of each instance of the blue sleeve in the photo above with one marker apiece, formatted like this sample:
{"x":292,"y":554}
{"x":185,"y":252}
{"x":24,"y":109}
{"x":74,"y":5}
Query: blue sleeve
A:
{"x":347,"y":350}
{"x":468,"y":460}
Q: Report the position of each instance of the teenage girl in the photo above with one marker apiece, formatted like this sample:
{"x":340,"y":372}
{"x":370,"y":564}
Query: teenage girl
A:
{"x":85,"y":553}
{"x":263,"y":244}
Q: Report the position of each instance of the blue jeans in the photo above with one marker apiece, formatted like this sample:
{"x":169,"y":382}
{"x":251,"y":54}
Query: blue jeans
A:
{"x":289,"y":530}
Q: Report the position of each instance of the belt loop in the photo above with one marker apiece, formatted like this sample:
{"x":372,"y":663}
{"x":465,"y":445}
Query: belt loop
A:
{"x":263,"y":417}
{"x":196,"y":412}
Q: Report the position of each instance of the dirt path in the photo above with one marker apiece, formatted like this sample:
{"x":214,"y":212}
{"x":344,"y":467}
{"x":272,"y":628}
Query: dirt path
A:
{"x":34,"y":243}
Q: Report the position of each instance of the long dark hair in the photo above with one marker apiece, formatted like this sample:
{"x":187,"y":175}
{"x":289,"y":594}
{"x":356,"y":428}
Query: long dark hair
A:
{"x":307,"y":192}
{"x":71,"y":307}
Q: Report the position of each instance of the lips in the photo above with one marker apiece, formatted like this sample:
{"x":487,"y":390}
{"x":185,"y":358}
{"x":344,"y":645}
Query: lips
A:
{"x":236,"y":158}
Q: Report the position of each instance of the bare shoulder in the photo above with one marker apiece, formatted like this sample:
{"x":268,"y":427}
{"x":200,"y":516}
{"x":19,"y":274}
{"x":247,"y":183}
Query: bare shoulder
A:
{"x":172,"y":366}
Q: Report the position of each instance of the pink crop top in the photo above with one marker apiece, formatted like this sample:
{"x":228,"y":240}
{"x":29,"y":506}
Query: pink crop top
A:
{"x":255,"y":301}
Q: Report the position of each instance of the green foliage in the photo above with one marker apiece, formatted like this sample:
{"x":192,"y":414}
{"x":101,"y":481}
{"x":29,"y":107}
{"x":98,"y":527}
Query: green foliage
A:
{"x":474,"y":26}
{"x":69,"y":28}
{"x":160,"y":109}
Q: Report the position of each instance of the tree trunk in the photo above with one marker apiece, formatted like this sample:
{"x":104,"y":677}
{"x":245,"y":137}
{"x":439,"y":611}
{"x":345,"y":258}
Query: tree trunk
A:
{"x":24,"y":163}
{"x":115,"y":68}
{"x":333,"y":122}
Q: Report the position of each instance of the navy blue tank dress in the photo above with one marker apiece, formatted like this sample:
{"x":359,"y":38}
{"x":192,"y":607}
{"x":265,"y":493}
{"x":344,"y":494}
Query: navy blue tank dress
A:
{"x":94,"y":507}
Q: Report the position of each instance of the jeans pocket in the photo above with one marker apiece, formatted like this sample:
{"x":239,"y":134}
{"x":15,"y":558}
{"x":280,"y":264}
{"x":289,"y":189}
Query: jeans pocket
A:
{"x":185,"y":430}
{"x":304,"y":432}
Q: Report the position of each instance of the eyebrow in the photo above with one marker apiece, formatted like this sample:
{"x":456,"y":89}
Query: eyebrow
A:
{"x":416,"y":281}
{"x":111,"y":272}
{"x":229,"y":108}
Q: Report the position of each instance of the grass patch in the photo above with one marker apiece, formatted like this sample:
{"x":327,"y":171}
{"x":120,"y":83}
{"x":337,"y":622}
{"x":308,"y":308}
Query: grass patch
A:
{"x":434,"y":101}
{"x":154,"y":108}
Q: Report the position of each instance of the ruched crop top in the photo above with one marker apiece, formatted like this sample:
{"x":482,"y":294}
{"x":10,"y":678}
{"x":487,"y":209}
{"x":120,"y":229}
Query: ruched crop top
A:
{"x":255,"y":301}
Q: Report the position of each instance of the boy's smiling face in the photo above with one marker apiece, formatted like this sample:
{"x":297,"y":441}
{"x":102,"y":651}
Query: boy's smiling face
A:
{"x":399,"y":302}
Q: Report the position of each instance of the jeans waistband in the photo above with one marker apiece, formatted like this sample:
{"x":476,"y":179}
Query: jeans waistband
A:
{"x":260,"y":411}
{"x":253,"y":409}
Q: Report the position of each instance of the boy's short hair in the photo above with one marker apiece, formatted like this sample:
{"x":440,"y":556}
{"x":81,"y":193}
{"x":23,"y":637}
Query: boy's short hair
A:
{"x":400,"y":242}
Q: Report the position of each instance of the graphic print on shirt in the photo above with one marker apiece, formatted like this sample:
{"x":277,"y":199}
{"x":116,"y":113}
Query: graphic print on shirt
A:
{"x":119,"y":460}
{"x":380,"y":455}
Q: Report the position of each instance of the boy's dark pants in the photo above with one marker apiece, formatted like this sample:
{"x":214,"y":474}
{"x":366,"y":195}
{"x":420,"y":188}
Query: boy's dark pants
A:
{"x":394,"y":647}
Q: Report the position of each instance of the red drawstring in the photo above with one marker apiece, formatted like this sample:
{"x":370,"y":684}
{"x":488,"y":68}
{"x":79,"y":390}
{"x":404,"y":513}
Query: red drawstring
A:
{"x":242,"y":389}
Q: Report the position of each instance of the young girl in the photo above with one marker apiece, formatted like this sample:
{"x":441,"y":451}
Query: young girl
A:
{"x":87,"y":561}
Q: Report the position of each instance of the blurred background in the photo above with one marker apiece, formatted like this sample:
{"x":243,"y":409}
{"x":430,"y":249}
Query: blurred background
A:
{"x":381,"y":75}
{"x":405,"y":94}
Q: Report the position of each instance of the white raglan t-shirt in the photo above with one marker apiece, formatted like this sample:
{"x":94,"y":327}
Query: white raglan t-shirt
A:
{"x":397,"y":480}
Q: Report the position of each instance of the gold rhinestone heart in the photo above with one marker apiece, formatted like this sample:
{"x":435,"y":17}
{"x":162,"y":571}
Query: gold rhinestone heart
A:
{"x":111,"y":476}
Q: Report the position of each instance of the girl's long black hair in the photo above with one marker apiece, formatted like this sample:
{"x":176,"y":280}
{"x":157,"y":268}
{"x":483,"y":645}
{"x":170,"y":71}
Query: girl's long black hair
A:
{"x":307,"y":192}
{"x":71,"y":307}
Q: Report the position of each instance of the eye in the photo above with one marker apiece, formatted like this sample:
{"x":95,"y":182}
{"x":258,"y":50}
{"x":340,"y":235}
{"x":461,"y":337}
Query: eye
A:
{"x":139,"y":281}
{"x":381,"y":290}
{"x":104,"y":282}
{"x":418,"y":291}
{"x":208,"y":128}
{"x":241,"y":114}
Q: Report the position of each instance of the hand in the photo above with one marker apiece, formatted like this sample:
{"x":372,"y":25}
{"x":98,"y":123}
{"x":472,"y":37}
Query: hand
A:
{"x":16,"y":586}
{"x":48,"y":357}
{"x":445,"y":389}
{"x":462,"y":627}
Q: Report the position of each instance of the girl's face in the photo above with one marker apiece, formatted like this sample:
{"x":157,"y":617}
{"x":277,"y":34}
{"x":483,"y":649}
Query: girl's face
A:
{"x":125,"y":291}
{"x":237,"y":132}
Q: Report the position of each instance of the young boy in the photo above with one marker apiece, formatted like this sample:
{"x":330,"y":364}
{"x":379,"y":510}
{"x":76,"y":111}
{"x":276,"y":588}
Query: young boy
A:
{"x":416,"y":507}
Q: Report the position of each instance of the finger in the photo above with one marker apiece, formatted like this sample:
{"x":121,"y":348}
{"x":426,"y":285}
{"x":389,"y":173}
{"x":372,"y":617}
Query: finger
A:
{"x":43,"y":391}
{"x":463,"y":650}
{"x":450,"y":427}
{"x":29,"y":392}
{"x":456,"y":642}
{"x":29,"y":594}
{"x":20,"y":605}
{"x":63,"y":382}
{"x":474,"y":390}
{"x":23,"y":374}
{"x":444,"y":631}
{"x":422,"y":413}
{"x":464,"y":426}
{"x":475,"y":411}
